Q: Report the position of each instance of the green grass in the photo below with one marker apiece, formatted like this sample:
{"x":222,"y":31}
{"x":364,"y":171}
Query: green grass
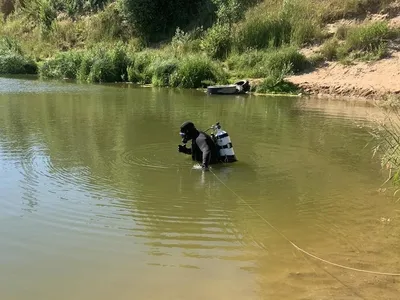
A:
{"x":263,"y":63}
{"x":367,"y":41}
{"x":271,"y":85}
{"x":260,"y":42}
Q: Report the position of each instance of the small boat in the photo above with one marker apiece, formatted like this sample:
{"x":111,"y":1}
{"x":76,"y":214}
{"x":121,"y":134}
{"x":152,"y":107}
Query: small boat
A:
{"x":240,"y":87}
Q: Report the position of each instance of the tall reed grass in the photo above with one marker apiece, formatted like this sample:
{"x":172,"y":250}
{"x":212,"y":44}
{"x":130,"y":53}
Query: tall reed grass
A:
{"x":365,"y":41}
{"x":386,"y":139}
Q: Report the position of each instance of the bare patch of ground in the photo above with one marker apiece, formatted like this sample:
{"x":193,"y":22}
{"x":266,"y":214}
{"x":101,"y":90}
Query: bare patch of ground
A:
{"x":366,"y":80}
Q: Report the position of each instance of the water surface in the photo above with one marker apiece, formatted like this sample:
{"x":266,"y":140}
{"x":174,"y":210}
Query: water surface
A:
{"x":96,"y":202}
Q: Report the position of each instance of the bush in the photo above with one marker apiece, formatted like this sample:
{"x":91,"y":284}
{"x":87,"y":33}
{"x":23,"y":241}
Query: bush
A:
{"x":100,"y":64}
{"x":107,"y":25}
{"x":329,"y":49}
{"x":287,"y":56}
{"x":368,"y":38}
{"x":12,"y":59}
{"x":63,"y":65}
{"x":264,"y":63}
{"x":271,"y":85}
{"x":369,"y":41}
{"x":157,"y":19}
{"x":262,"y":32}
{"x":139,"y":69}
{"x":193,"y":71}
{"x":217,"y":41}
{"x":304,"y":21}
{"x":162,"y":71}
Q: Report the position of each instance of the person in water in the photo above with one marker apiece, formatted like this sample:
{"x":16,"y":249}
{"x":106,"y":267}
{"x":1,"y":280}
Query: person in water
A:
{"x":203,"y":149}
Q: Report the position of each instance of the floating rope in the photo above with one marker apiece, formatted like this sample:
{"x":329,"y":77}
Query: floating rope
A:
{"x":297,"y":247}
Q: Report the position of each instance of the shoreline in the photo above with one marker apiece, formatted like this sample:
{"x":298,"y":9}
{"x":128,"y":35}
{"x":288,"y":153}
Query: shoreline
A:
{"x":368,"y":81}
{"x":360,"y":81}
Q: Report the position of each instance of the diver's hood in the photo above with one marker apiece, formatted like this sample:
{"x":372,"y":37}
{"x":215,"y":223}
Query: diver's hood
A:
{"x":187,"y":131}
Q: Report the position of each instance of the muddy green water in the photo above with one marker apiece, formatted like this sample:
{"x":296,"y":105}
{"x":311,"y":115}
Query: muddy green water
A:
{"x":96,"y":202}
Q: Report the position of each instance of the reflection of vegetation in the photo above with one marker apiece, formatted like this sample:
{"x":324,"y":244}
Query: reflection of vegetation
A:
{"x":103,"y":130}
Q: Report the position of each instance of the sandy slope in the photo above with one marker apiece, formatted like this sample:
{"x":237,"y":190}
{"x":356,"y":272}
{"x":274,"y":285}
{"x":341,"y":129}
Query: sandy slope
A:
{"x":372,"y":80}
{"x":367,"y":80}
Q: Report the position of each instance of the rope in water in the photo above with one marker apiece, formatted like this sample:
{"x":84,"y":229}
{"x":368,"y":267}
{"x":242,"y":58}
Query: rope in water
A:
{"x":294,"y":245}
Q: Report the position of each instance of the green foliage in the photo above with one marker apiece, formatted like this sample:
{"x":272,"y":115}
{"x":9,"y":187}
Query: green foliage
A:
{"x":262,"y":32}
{"x":294,"y":23}
{"x":194,"y":70}
{"x":217,"y":42}
{"x":64,"y":65}
{"x":104,"y":64}
{"x":98,"y":64}
{"x":264,"y":63}
{"x":333,"y":10}
{"x":156,"y":19}
{"x":140,"y":68}
{"x":187,"y":42}
{"x":108,"y":24}
{"x":305,"y":23}
{"x":367,"y":38}
{"x":42,"y":13}
{"x":366,"y":41}
{"x":162,"y":71}
{"x":329,"y":49}
{"x":270,"y":85}
{"x":229,"y":11}
{"x":12,"y":59}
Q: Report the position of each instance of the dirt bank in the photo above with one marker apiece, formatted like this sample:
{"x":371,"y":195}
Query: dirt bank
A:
{"x":372,"y":80}
{"x":360,"y":80}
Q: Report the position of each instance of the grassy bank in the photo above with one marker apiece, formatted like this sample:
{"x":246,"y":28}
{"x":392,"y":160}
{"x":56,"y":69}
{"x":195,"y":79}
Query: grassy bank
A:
{"x":113,"y":41}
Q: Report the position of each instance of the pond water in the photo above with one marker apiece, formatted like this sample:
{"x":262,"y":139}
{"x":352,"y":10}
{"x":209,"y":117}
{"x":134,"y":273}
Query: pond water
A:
{"x":97,"y":203}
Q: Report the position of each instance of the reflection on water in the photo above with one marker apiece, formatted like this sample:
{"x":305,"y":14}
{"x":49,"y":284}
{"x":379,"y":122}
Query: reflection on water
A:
{"x":96,"y":202}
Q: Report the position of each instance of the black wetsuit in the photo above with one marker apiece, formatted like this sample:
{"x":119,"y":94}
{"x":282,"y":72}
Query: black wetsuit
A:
{"x":204,"y":150}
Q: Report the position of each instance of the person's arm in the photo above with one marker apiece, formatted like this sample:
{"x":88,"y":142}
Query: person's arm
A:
{"x":185,"y":150}
{"x":205,"y":149}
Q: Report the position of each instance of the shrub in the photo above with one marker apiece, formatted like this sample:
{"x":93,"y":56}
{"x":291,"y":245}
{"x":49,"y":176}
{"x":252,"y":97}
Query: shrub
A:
{"x":271,"y":85}
{"x":107,"y":25}
{"x":262,"y":32}
{"x":187,"y":42}
{"x":100,"y":64}
{"x":63,"y":65}
{"x":329,"y":49}
{"x":217,"y":41}
{"x":304,"y":21}
{"x":263,"y":63}
{"x":162,"y":71}
{"x":193,"y":71}
{"x":245,"y":60}
{"x":139,"y":69}
{"x":12,"y":63}
{"x":155,"y":19}
{"x":277,"y":60}
{"x":12,"y":59}
{"x":368,"y":40}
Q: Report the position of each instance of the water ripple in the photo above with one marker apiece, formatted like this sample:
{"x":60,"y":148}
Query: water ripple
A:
{"x":149,"y":156}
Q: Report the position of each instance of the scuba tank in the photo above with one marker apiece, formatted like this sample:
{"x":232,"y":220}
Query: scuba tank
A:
{"x":224,"y":144}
